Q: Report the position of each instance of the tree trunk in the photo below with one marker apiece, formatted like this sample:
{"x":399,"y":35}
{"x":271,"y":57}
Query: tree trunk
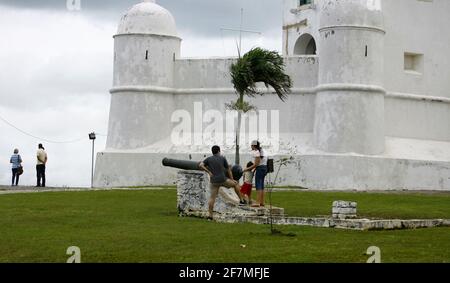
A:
{"x":238,"y":138}
{"x":237,"y":160}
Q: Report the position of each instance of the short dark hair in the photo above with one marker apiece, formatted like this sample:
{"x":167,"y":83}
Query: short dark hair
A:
{"x":250,"y":164}
{"x":40,"y":145}
{"x":215,"y":149}
{"x":258,"y":146}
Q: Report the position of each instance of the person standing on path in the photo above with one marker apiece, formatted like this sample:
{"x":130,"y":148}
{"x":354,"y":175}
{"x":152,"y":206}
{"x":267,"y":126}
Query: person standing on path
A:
{"x":40,"y":166}
{"x":16,"y":162}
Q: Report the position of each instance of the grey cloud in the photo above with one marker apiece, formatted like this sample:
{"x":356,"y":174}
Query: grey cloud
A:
{"x":208,"y":16}
{"x":204,"y":17}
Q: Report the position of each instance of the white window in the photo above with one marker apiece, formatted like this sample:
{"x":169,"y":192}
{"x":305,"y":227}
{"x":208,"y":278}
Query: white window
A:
{"x":413,"y":62}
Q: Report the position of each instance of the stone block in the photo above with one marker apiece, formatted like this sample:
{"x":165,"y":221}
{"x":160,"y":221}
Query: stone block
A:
{"x":344,"y":209}
{"x":344,"y":216}
{"x":344,"y":204}
{"x":341,"y":210}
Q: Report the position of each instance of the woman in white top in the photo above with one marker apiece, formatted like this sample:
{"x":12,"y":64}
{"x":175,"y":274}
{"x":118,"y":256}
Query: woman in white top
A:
{"x":261,"y":171}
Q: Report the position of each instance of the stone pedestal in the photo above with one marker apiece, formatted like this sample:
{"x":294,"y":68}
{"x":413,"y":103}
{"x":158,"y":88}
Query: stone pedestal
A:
{"x":193,"y":195}
{"x":344,"y":209}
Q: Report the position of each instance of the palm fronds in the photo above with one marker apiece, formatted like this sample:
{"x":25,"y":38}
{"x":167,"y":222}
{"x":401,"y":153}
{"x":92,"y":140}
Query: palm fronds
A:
{"x":260,"y":65}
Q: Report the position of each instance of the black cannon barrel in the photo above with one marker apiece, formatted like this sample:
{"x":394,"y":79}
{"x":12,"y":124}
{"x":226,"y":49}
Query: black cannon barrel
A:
{"x":181,"y":164}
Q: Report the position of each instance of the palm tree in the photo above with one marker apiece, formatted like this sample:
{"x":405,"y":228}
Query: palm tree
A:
{"x":257,"y":66}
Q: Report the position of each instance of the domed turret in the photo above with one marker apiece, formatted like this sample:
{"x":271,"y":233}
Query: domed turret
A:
{"x":147,"y":18}
{"x":146,"y":47}
{"x":349,"y":113}
{"x":363,"y":13}
{"x":352,"y":41}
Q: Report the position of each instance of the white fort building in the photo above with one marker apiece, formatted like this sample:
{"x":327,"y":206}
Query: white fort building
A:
{"x":369,"y":108}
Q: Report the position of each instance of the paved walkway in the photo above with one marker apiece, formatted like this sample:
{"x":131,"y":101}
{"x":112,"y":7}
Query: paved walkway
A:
{"x":25,"y":189}
{"x":28,"y":189}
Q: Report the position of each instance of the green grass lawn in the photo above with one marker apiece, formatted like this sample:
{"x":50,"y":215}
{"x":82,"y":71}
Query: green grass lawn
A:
{"x":143,"y":226}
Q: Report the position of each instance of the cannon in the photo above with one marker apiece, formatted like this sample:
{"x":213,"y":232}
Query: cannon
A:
{"x":194,"y":165}
{"x":182,"y":164}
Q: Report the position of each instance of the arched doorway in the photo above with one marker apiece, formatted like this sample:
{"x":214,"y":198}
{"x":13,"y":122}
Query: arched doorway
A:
{"x":305,"y":45}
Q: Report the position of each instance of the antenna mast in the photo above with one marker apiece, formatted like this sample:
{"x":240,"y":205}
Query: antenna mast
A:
{"x":241,"y":30}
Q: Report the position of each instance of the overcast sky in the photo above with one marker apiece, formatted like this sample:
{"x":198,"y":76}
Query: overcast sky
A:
{"x":56,"y":71}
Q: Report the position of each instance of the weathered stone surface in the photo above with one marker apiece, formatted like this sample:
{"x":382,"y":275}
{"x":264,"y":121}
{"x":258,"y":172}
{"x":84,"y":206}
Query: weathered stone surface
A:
{"x":344,"y":209}
{"x":352,"y":224}
{"x":343,"y":216}
{"x":344,"y":204}
{"x":341,"y":210}
{"x":191,"y":193}
{"x":422,"y":223}
{"x":384,"y":224}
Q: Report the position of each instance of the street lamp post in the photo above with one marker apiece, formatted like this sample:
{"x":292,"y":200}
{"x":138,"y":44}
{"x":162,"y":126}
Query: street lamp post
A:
{"x":92,"y":137}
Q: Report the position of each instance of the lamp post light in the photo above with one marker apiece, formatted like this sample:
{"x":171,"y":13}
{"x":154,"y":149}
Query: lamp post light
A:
{"x":92,"y":137}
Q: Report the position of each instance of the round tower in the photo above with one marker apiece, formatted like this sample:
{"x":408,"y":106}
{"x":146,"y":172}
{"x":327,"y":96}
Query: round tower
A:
{"x":349,"y":114}
{"x":145,"y":48}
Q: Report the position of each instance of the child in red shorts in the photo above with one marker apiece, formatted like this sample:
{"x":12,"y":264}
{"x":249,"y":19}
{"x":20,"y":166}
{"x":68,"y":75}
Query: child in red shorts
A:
{"x":246,"y":188}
